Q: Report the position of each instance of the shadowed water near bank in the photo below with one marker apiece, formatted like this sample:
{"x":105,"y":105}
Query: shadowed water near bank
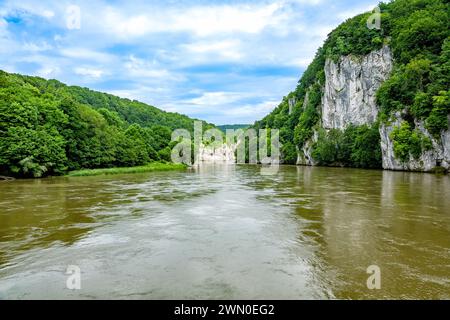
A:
{"x":227,"y":232}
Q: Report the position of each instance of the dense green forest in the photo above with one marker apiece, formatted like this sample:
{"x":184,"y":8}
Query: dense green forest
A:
{"x":48,"y":128}
{"x":418,"y":31}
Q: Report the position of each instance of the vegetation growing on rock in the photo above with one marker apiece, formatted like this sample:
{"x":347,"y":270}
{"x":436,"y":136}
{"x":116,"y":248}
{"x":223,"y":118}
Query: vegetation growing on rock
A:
{"x":418,"y":31}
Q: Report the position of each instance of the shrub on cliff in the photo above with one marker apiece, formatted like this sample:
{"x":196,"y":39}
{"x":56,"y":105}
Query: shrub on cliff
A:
{"x":418,"y":31}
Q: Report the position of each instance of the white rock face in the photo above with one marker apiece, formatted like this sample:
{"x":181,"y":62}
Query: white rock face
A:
{"x":349,"y":98}
{"x":223,"y":153}
{"x":304,"y":157}
{"x":350,"y":87}
{"x":439,"y":155}
{"x":349,"y":93}
{"x":387,"y":148}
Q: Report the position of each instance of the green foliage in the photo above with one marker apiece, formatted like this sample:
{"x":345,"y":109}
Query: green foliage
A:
{"x":313,"y":74}
{"x":165,"y":154}
{"x":289,"y":153}
{"x":409,"y":142}
{"x":416,"y":87}
{"x":297,"y":127}
{"x":326,"y":149}
{"x":418,"y":31}
{"x":366,"y":148}
{"x":407,"y":88}
{"x":32,"y":152}
{"x":422,"y":106}
{"x":154,"y":166}
{"x":356,"y":146}
{"x":49,"y":128}
{"x":30,"y":143}
{"x":29,"y":167}
{"x":353,"y":37}
{"x":417,"y":27}
{"x":112,"y":118}
{"x":309,"y":117}
{"x":438,"y":118}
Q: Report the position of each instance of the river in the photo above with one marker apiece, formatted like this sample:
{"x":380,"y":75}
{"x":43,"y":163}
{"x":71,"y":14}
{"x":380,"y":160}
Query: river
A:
{"x":227,"y":232}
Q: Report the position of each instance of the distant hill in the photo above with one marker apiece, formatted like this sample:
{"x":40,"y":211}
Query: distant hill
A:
{"x":233,"y":126}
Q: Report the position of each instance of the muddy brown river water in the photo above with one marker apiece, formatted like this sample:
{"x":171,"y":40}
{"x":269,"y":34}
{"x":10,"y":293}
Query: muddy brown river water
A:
{"x":227,"y":232}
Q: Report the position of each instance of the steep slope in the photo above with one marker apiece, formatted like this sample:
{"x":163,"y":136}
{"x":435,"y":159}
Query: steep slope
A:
{"x":374,"y":98}
{"x":47,"y":127}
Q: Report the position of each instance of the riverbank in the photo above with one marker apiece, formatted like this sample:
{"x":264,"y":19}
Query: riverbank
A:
{"x":154,"y":166}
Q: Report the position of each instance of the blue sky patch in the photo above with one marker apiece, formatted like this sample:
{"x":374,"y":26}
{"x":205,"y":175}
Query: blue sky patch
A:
{"x":222,"y":61}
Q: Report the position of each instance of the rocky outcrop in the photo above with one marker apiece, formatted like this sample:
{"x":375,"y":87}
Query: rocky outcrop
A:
{"x":350,"y":87}
{"x":438,"y":156}
{"x":216,"y":153}
{"x":349,"y":94}
{"x":304,"y":157}
{"x":349,"y":98}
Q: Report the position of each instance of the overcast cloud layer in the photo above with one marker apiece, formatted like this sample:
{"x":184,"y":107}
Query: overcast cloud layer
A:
{"x":222,"y":61}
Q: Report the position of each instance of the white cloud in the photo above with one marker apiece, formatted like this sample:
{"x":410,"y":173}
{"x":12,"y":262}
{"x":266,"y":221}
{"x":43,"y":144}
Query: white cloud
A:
{"x":140,"y":68}
{"x":218,"y":19}
{"x":234,"y":58}
{"x":354,"y":11}
{"x":308,"y":2}
{"x":47,"y":14}
{"x":142,"y":93}
{"x":27,"y":8}
{"x":36,"y":47}
{"x":301,"y":62}
{"x":233,"y":113}
{"x":199,"y":20}
{"x":251,"y":110}
{"x":227,"y":49}
{"x":89,"y":72}
{"x":48,"y":72}
{"x":216,"y":98}
{"x":86,"y":54}
{"x":129,"y":27}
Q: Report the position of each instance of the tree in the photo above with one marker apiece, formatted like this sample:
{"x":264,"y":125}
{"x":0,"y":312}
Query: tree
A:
{"x":48,"y":128}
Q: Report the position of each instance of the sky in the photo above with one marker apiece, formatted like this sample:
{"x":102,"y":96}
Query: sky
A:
{"x":225,"y":62}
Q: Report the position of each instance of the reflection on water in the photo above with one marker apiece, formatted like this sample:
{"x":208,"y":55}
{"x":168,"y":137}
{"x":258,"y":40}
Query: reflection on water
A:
{"x":227,"y":232}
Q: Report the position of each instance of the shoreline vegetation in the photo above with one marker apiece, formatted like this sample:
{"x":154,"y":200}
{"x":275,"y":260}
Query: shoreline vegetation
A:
{"x":153,"y":166}
{"x":48,"y":129}
{"x":161,"y":167}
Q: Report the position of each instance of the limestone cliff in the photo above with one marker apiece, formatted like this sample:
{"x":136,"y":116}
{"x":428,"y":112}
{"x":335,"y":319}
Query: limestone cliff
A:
{"x":349,"y":94}
{"x":349,"y":98}
{"x":439,"y":155}
{"x":223,"y":153}
{"x":350,"y":87}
